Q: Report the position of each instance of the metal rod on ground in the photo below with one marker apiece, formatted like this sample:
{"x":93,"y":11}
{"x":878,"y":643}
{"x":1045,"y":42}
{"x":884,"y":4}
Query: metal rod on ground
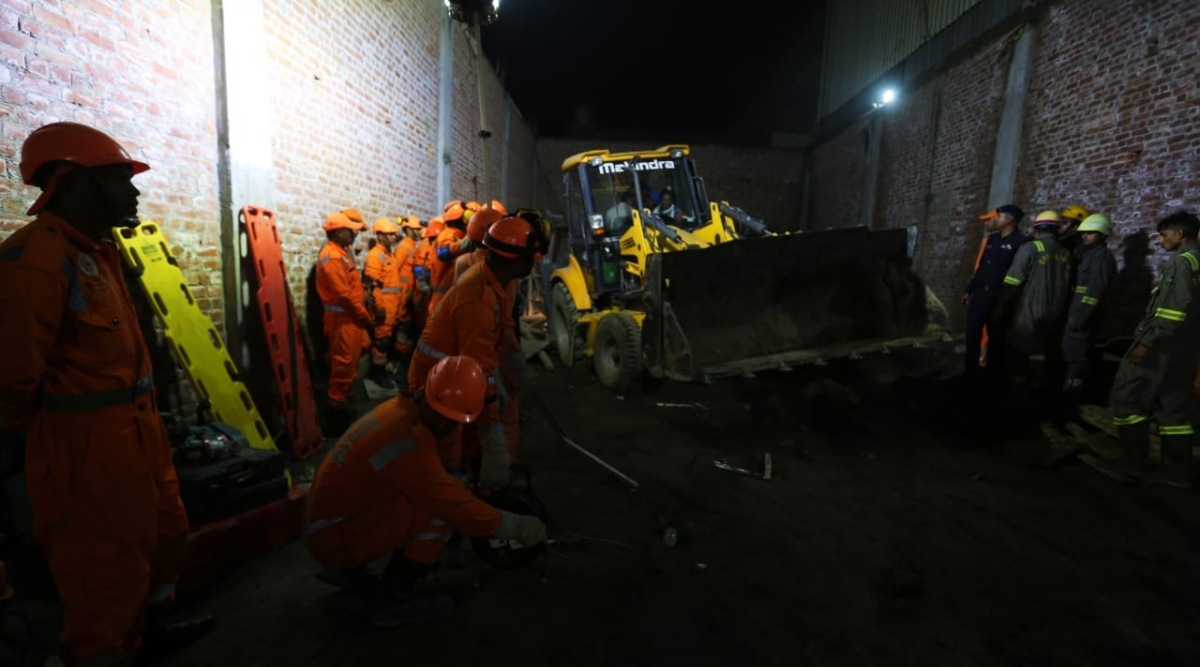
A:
{"x":562,"y":435}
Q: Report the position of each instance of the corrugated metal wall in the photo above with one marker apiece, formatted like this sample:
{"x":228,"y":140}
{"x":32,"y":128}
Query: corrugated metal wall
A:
{"x":866,"y":38}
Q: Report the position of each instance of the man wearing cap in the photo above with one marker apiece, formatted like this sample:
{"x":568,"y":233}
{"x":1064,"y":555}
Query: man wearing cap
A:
{"x":1003,"y":241}
{"x":346,"y":319}
{"x":75,"y":378}
{"x":1032,"y":304}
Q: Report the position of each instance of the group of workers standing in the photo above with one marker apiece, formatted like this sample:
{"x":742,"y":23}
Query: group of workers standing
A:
{"x":404,"y":479}
{"x":1047,"y":294}
{"x":407,"y":478}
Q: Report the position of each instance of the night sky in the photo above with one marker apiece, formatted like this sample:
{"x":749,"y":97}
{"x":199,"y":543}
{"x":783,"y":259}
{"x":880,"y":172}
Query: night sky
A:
{"x":641,"y":64}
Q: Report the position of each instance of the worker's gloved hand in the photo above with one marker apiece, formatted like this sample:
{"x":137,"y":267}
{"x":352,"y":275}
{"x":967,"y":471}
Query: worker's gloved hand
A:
{"x":518,"y":368}
{"x":465,"y":244}
{"x":528,"y":530}
{"x":423,"y":285}
{"x":495,"y":467}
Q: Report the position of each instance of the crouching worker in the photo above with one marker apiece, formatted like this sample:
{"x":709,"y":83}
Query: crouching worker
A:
{"x":384,"y":489}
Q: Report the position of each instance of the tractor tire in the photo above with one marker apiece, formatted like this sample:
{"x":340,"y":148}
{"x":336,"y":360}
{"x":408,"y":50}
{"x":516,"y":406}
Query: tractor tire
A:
{"x":617,"y":355}
{"x":569,"y":346}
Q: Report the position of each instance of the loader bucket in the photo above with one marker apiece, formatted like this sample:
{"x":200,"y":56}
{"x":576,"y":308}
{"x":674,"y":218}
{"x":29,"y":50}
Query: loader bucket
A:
{"x":777,"y":301}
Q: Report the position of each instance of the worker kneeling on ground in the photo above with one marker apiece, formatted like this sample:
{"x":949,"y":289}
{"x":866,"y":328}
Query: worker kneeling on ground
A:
{"x":383,"y":488}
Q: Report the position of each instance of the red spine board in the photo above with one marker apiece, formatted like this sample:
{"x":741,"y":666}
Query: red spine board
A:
{"x":289,"y":359}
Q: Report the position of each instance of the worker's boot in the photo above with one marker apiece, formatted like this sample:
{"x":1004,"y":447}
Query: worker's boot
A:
{"x":1176,"y":469}
{"x":1135,"y":444}
{"x":399,"y":602}
{"x":380,"y":376}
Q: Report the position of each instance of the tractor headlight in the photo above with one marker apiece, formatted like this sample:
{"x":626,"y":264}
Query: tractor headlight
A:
{"x":597,"y":222}
{"x":676,"y":153}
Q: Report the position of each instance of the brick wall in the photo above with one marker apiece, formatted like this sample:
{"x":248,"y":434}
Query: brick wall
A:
{"x":1111,"y":123}
{"x":766,"y":183}
{"x":352,"y":103}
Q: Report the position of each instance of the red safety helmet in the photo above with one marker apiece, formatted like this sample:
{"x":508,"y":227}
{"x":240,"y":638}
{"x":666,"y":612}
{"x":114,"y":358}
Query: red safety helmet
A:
{"x":478,"y":226}
{"x":436,"y":225}
{"x":456,"y":388}
{"x":385,"y":226}
{"x":74,"y":144}
{"x":453,"y":213}
{"x":513,"y":237}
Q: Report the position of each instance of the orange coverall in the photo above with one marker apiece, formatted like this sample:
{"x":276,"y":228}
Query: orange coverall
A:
{"x":383,"y":487}
{"x":446,"y":251}
{"x":346,"y":318}
{"x":405,"y":255}
{"x":468,"y":323}
{"x":386,"y":291}
{"x":102,"y":485}
{"x":422,"y":256}
{"x":509,"y":345}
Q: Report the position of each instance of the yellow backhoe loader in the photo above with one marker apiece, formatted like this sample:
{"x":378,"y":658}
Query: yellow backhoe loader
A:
{"x":647,"y":276}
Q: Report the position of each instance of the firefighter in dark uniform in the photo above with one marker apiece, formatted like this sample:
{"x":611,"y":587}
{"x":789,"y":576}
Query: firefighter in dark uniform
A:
{"x":980,"y":295}
{"x":1155,"y":377}
{"x":1085,"y":314}
{"x":1032,"y":306}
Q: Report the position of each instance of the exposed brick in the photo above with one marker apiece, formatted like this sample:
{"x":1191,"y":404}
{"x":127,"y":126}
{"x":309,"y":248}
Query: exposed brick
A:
{"x":1109,"y":124}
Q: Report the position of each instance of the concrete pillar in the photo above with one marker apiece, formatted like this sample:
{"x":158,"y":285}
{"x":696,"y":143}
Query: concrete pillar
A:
{"x":445,"y":113}
{"x":1008,"y":137}
{"x":244,"y":161}
{"x":871,"y":185}
{"x":507,"y":134}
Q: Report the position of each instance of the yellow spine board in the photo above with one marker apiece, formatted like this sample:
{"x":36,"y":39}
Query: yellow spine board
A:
{"x":194,"y":339}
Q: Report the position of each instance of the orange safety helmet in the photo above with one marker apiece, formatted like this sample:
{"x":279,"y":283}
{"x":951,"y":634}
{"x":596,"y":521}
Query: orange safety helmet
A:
{"x":456,"y":388}
{"x":478,"y":225}
{"x":436,"y":225}
{"x":74,"y":144}
{"x":385,"y":226}
{"x":454,"y":213}
{"x":354,"y":216}
{"x":497,"y":206}
{"x":340,"y":221}
{"x":472,"y":206}
{"x":452,"y":202}
{"x":513,"y":237}
{"x":411,"y":222}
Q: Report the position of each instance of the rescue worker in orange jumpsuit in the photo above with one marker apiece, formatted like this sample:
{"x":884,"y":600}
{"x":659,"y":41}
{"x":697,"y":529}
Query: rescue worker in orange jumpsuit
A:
{"x":381,"y":281}
{"x":423,"y":259}
{"x":513,"y":367}
{"x":383,"y":489}
{"x":451,"y":243}
{"x":470,"y":323}
{"x":76,"y":380}
{"x":405,"y":255}
{"x":346,"y":319}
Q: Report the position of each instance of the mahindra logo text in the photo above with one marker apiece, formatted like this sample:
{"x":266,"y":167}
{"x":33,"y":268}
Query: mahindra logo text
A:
{"x":648,"y":165}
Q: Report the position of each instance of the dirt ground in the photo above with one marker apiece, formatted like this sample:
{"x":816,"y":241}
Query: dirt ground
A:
{"x":907,"y":523}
